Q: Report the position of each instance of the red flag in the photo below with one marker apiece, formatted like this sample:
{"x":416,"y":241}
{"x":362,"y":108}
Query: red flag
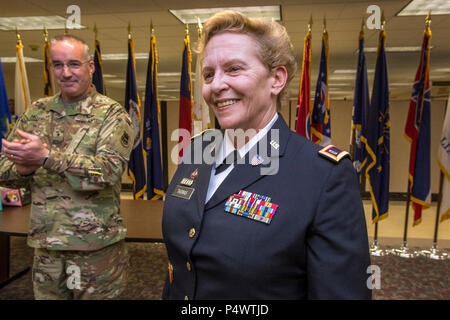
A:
{"x":186,"y":102}
{"x":417,"y":132}
{"x":303,"y":125}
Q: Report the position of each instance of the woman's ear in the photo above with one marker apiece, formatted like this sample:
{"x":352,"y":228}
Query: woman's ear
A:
{"x":279,"y":75}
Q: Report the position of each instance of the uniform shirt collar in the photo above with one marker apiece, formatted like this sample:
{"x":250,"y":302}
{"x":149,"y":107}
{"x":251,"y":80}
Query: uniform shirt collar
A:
{"x":228,"y":146}
{"x":70,"y":108}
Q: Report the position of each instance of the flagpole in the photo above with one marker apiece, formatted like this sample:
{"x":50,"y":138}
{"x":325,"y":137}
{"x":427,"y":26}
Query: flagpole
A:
{"x":434,"y":253}
{"x":404,"y":251}
{"x":129,"y":39}
{"x":375,"y":250}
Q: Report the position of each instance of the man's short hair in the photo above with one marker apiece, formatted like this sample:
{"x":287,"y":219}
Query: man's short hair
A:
{"x":71,"y":37}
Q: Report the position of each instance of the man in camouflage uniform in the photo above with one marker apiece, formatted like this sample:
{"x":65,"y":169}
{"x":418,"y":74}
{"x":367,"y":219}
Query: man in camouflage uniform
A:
{"x":73,"y":148}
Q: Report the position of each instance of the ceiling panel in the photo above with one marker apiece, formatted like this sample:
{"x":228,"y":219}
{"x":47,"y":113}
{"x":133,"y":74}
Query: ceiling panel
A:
{"x":343,"y":24}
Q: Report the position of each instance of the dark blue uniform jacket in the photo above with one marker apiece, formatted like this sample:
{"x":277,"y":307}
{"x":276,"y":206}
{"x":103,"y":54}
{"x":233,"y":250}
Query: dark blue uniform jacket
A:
{"x":315,"y":247}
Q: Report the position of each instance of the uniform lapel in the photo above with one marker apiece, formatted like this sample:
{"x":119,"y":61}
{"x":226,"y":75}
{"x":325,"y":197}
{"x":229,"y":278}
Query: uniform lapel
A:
{"x":246,"y":174}
{"x":204,"y":174}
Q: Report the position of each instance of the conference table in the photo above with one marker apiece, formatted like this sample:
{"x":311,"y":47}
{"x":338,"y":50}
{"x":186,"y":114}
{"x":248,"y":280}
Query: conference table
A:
{"x":142,"y":218}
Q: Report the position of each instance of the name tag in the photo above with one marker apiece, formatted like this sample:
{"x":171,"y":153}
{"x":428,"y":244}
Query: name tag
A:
{"x":183,"y":192}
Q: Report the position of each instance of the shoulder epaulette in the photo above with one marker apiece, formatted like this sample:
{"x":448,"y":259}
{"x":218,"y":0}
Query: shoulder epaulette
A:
{"x":200,"y":133}
{"x":332,"y":153}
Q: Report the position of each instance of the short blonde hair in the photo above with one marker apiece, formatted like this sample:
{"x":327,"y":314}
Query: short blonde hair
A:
{"x":275,"y":47}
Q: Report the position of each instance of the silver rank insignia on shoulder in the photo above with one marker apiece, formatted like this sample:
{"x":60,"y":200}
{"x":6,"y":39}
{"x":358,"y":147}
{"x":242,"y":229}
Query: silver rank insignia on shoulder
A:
{"x":332,"y":153}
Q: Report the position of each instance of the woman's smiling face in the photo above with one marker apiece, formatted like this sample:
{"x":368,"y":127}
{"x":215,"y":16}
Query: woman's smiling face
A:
{"x":237,"y":85}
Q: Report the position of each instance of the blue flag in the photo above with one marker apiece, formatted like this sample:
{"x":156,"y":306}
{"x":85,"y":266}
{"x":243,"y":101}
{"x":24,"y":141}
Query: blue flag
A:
{"x":5,"y":115}
{"x":136,"y":168}
{"x":320,"y":118}
{"x":360,"y":110}
{"x":97,"y":77}
{"x":155,"y":188}
{"x":377,"y":137}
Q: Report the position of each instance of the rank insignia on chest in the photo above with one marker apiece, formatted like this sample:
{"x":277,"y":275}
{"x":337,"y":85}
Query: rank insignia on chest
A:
{"x":194,"y":174}
{"x":251,"y":205}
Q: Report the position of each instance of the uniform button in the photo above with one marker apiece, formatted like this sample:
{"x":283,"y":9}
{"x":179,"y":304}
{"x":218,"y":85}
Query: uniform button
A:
{"x":188,"y":266}
{"x":192,"y":233}
{"x":186,"y":298}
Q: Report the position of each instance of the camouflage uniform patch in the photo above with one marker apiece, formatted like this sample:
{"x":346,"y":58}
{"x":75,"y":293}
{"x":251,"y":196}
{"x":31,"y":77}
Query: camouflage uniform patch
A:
{"x":92,"y":275}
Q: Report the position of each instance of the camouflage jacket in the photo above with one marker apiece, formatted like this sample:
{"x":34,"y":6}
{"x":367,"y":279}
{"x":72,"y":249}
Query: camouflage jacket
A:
{"x":76,"y":194}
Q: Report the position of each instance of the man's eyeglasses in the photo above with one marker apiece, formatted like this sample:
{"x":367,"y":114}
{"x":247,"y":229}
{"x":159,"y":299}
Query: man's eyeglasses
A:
{"x":72,"y":65}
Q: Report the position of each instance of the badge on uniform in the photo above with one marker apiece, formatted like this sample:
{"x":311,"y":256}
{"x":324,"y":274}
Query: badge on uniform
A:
{"x":183,"y":190}
{"x":251,"y":205}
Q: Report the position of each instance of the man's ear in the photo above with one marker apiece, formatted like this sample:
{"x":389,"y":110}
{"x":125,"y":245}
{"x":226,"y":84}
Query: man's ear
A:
{"x":91,"y":67}
{"x":279,"y":75}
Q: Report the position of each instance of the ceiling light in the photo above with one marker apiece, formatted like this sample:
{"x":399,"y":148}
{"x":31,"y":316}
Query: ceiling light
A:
{"x":169,"y":74}
{"x":122,"y":56}
{"x":116,"y":81}
{"x":333,"y":77}
{"x":422,"y":7}
{"x":34,"y":23}
{"x":192,"y":15}
{"x":395,"y":49}
{"x":401,"y":84}
{"x":13,"y":59}
{"x":350,"y":71}
{"x":340,"y":84}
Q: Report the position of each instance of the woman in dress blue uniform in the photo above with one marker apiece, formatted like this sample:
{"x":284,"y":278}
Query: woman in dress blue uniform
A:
{"x":265,"y":213}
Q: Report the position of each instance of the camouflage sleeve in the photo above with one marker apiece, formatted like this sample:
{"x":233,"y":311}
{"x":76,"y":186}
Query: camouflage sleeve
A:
{"x":105,"y":167}
{"x":8,"y":170}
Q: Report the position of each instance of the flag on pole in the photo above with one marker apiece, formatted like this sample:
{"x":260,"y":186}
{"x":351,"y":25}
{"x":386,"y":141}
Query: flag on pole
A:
{"x":97,"y":77}
{"x":22,"y":98}
{"x":49,"y":83}
{"x":5,"y":115}
{"x":202,"y":120}
{"x":136,"y":168}
{"x":186,"y":103}
{"x":155,"y":188}
{"x":377,"y":136}
{"x":360,"y":110}
{"x":320,"y":118}
{"x":417,"y":132}
{"x":303,"y":121}
{"x":444,"y":165}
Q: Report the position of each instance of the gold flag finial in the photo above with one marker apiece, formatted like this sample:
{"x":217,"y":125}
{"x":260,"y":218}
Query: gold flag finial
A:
{"x":361,"y":32}
{"x":129,"y":30}
{"x":310,"y":23}
{"x":187,"y":29}
{"x":45,"y":34}
{"x":428,"y":19}
{"x":324,"y":24}
{"x":152,"y":30}
{"x":19,"y":40}
{"x":199,"y":28}
{"x":95,"y":31}
{"x":383,"y":21}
